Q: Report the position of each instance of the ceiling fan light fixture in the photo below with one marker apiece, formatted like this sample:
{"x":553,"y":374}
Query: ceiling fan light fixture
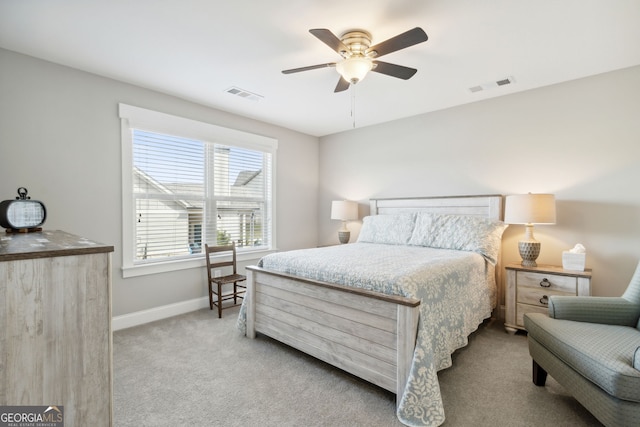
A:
{"x":357,"y":55}
{"x":354,"y":69}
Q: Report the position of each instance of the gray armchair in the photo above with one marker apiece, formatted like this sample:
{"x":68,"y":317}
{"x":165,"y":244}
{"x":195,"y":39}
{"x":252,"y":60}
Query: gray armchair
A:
{"x":591,"y":346}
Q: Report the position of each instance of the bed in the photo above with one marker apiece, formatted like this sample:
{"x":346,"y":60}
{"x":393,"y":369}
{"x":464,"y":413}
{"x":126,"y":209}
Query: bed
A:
{"x":392,"y":307}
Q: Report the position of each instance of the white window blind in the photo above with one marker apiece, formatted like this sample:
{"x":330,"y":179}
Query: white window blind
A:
{"x":187,"y":191}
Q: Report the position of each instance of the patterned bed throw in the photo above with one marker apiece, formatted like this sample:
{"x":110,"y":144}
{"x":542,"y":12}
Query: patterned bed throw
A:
{"x":457,"y":291}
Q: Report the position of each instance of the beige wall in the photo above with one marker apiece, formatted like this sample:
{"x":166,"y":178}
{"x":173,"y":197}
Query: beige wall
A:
{"x":60,"y":138}
{"x":579,"y":140}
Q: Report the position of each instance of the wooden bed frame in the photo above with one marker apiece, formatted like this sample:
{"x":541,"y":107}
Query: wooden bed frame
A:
{"x":368,"y":334}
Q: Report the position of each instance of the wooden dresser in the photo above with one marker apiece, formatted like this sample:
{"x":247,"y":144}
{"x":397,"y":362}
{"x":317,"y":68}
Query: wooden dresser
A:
{"x":55,"y":317}
{"x":528,"y":290}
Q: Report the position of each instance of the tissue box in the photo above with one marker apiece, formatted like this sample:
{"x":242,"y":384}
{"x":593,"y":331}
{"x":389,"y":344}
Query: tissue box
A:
{"x":571,"y":261}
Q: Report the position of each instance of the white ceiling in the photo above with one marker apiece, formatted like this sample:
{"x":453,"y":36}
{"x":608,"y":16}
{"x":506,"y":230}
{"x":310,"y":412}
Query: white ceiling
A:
{"x":197,"y":49}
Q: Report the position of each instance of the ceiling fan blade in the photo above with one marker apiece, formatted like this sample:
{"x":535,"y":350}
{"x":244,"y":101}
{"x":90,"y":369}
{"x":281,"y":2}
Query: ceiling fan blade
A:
{"x":342,"y":85}
{"x":406,"y":39}
{"x":330,"y":39}
{"x":393,"y":70}
{"x":310,"y":67}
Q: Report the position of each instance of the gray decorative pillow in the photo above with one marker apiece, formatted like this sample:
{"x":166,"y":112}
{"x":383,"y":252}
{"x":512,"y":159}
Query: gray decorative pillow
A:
{"x":459,"y":232}
{"x":394,"y":229}
{"x":636,"y":359}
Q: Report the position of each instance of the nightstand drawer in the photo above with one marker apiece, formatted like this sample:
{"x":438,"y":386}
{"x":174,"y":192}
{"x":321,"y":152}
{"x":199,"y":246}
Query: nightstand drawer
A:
{"x":524,"y":308}
{"x":537,"y":296}
{"x":527,"y":290}
{"x":547,"y":281}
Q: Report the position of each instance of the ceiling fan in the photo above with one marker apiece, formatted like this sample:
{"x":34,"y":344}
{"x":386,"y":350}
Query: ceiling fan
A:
{"x":359,"y":57}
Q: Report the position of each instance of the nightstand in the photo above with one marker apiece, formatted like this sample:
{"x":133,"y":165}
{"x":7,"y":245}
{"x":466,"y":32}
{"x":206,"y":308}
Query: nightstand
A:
{"x":528,"y":290}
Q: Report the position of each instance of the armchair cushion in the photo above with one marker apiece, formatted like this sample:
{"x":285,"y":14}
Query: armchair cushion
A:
{"x":604,"y":354}
{"x":606,"y":310}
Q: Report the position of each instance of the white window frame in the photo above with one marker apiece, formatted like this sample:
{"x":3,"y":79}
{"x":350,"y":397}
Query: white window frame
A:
{"x":132,"y":117}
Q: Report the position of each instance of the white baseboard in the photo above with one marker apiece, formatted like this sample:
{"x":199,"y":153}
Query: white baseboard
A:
{"x":498,"y":313}
{"x":157,"y":313}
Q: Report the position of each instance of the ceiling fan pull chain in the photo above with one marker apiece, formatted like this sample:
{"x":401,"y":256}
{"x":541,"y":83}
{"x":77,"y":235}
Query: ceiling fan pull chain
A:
{"x":353,"y":105}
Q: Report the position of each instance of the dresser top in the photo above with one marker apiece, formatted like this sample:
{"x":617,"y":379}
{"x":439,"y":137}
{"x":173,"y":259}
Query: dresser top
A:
{"x":45,"y":244}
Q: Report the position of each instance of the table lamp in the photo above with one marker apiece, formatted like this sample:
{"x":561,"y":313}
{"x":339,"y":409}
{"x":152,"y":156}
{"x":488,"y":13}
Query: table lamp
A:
{"x":344,"y":210}
{"x":530,"y":209}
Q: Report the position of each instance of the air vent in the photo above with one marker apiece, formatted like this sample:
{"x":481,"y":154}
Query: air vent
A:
{"x":244,"y":93}
{"x":492,"y":85}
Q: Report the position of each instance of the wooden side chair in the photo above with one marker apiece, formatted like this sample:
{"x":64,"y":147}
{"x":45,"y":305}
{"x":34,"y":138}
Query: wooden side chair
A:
{"x":229,"y":276}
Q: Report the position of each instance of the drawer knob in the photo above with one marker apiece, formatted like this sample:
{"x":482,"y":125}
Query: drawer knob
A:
{"x":544,"y":300}
{"x":545,"y":283}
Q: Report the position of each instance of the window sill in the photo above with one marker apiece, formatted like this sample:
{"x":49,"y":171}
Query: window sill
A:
{"x":185,"y":264}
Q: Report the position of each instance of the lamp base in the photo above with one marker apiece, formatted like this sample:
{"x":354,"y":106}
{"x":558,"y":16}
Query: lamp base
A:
{"x":529,"y":252}
{"x":344,"y":236}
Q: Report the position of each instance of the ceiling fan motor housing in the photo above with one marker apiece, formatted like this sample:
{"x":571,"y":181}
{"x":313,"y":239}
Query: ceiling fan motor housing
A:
{"x":358,"y":41}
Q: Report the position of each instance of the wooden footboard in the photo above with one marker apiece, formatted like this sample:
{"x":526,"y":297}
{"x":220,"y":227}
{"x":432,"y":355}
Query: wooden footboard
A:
{"x":368,"y":334}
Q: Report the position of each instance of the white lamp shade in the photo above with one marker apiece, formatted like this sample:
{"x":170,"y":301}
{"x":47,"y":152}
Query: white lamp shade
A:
{"x":354,"y":69}
{"x":530,"y":209}
{"x":344,"y":210}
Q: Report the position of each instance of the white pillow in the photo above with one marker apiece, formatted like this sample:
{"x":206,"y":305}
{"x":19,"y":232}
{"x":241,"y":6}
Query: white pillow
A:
{"x":460,"y":232}
{"x":394,"y":229}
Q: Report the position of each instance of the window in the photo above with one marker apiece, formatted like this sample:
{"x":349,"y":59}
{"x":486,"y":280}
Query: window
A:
{"x":187,"y":183}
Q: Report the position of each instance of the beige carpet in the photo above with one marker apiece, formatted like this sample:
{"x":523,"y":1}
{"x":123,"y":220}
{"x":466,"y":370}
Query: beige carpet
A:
{"x":197,"y":370}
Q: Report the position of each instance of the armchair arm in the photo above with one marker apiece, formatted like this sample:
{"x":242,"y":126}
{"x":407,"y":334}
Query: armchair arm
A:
{"x":607,"y":310}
